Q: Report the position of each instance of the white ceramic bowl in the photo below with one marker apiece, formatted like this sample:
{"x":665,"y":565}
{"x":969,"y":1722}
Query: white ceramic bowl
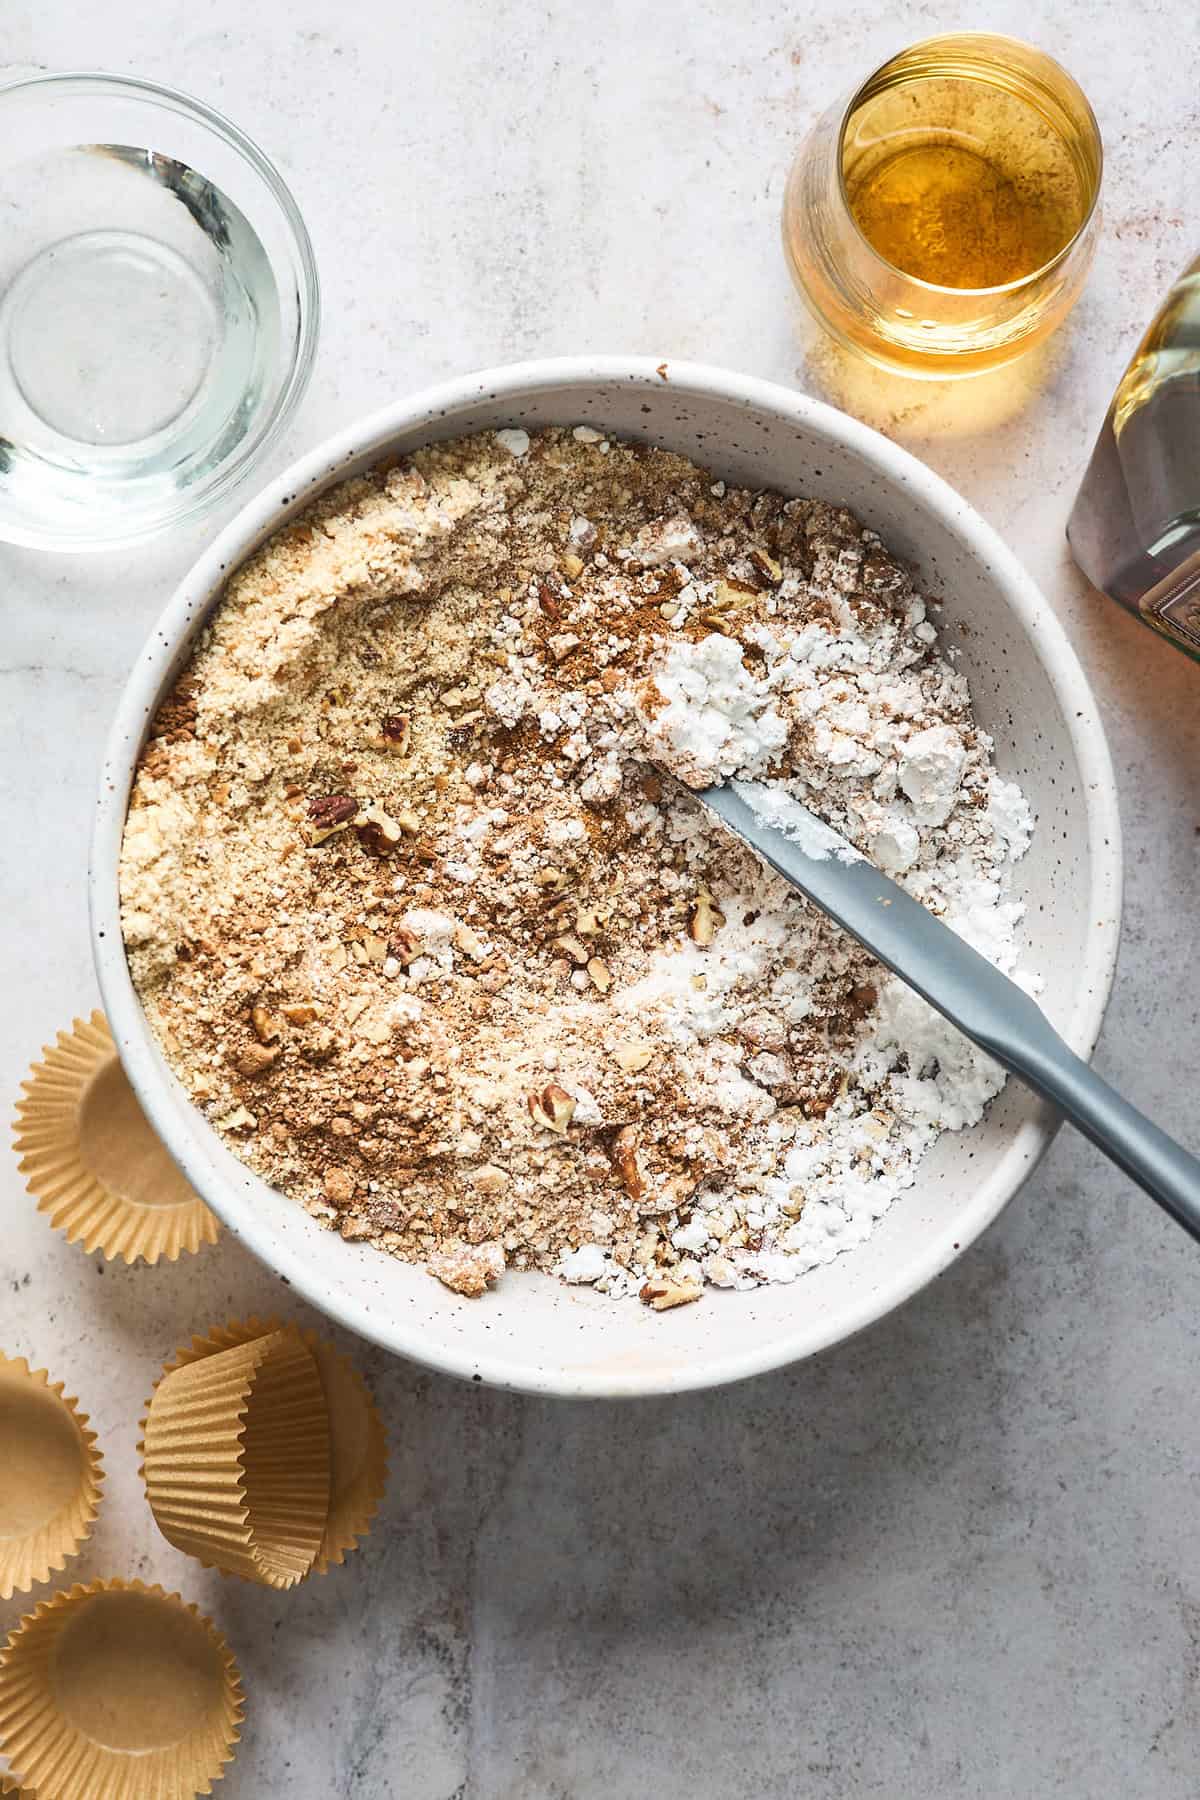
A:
{"x":533,"y":1333}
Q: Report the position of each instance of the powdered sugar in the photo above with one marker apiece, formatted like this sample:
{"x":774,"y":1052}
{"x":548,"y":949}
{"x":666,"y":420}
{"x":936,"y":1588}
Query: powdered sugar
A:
{"x":514,"y":440}
{"x":582,"y":1266}
{"x":719,"y":720}
{"x":931,"y":765}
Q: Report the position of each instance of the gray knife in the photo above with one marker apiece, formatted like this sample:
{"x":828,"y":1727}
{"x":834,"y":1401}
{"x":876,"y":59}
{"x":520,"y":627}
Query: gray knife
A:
{"x":968,"y":990}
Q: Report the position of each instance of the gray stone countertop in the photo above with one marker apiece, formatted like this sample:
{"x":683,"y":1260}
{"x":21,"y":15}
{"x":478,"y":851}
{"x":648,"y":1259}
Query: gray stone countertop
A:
{"x":955,"y":1558}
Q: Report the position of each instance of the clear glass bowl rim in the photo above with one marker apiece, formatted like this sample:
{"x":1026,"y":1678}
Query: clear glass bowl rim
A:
{"x":207,"y":493}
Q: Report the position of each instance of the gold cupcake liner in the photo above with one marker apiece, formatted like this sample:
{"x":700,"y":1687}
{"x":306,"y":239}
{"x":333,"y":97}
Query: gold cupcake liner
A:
{"x":50,"y":1475}
{"x":236,"y":1458}
{"x":118,"y":1691}
{"x":357,"y":1453}
{"x":91,"y":1157}
{"x":357,"y":1443}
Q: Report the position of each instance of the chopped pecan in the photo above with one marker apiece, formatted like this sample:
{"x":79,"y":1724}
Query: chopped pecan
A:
{"x":377,"y":833}
{"x":329,"y":813}
{"x":552,"y":1108}
{"x":766,"y":567}
{"x":625,"y":1161}
{"x":394,"y":733}
{"x":332,"y":809}
{"x":662,"y":1294}
{"x":601,"y":975}
{"x":266,"y":1029}
{"x":705,"y":918}
{"x":404,"y":945}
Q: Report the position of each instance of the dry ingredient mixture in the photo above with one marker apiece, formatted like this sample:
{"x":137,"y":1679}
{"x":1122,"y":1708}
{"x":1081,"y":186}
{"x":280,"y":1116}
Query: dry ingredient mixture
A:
{"x":430,"y":930}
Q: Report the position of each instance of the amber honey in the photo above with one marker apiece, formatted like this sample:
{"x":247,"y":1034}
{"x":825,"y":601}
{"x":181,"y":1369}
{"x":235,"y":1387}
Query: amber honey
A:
{"x":943,"y":220}
{"x":962,"y":183}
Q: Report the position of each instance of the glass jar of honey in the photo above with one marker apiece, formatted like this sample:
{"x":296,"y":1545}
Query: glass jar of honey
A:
{"x":942,"y":221}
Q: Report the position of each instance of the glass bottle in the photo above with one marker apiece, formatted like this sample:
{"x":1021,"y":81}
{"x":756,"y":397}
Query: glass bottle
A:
{"x":1135,"y":526}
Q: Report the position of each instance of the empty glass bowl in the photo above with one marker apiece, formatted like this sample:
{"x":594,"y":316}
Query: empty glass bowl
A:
{"x":158,"y":309}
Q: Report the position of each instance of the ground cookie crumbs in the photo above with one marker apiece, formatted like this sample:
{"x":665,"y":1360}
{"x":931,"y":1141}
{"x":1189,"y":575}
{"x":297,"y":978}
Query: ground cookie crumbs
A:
{"x":441,"y":951}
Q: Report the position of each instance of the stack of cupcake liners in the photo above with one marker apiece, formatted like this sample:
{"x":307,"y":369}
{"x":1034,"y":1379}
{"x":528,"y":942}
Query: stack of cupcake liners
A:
{"x":263,"y":1453}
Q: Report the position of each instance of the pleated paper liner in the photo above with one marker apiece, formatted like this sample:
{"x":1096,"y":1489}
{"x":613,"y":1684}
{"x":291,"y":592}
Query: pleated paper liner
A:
{"x":357,"y":1445}
{"x":357,"y":1442}
{"x":91,"y":1157}
{"x":50,"y":1476}
{"x":357,"y":1453}
{"x":236,"y":1458}
{"x":117,"y":1691}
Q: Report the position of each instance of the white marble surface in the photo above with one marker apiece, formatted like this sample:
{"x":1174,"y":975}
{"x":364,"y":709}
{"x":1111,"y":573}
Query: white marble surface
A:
{"x":956,"y":1558}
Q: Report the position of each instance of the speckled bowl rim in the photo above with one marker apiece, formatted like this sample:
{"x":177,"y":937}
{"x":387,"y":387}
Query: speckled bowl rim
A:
{"x":372,"y":437}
